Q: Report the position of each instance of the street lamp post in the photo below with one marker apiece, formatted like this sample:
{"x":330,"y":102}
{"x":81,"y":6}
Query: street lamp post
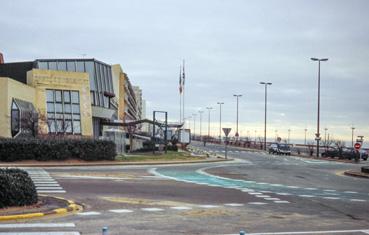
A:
{"x":220,"y":121}
{"x":305,"y":135}
{"x":209,"y":109}
{"x":200,"y":112}
{"x":289,"y":134}
{"x":325,"y":136}
{"x":194,"y":124}
{"x":318,"y":119}
{"x":352,"y":136}
{"x":266,"y":84}
{"x":237,"y":134}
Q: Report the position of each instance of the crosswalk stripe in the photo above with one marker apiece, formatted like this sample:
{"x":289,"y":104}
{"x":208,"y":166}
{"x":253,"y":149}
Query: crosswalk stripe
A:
{"x":121,"y":211}
{"x":38,"y":225}
{"x":89,"y":213}
{"x":39,"y":233}
{"x":51,"y":191}
{"x":152,"y":209}
{"x":181,"y":208}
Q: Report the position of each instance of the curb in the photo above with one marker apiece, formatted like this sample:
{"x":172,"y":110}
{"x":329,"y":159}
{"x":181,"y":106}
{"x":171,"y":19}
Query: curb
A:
{"x":72,"y":207}
{"x":356,"y":174}
{"x":110,"y":164}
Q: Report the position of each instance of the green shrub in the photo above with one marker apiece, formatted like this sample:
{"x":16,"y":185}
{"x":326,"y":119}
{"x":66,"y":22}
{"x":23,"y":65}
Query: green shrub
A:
{"x":56,"y":149}
{"x":16,"y":188}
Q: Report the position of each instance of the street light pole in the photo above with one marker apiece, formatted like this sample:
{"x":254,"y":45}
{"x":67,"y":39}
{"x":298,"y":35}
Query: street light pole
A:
{"x":352,"y":136}
{"x":209,"y":109}
{"x":318,"y":119}
{"x":289,"y":134}
{"x":325,"y":136}
{"x":237,"y":134}
{"x":220,"y":121}
{"x":200,"y":112}
{"x":194,"y":124}
{"x":305,"y":135}
{"x":265,"y":109}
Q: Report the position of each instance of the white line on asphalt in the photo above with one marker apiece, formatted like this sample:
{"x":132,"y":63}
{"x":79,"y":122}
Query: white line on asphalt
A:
{"x":121,"y":211}
{"x":152,"y":209}
{"x":40,"y":233}
{"x":272,"y":199}
{"x":39,"y":225}
{"x":331,"y":198}
{"x":181,"y":208}
{"x":311,"y":188}
{"x":265,"y":191}
{"x":89,"y":213}
{"x":357,"y":200}
{"x":208,"y":206}
{"x":257,"y":203}
{"x":306,"y":195}
{"x":329,"y":190}
{"x":308,"y":232}
{"x":284,"y":194}
{"x":51,"y":191}
{"x":49,"y":188}
{"x":261,"y":183}
{"x":254,"y":193}
{"x":350,"y":192}
{"x":293,"y":187}
{"x":277,"y":185}
{"x":281,"y":202}
{"x":234,"y":204}
{"x":262,"y":196}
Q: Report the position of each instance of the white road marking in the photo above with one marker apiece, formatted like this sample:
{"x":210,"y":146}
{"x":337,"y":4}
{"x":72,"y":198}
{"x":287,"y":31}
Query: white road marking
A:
{"x":121,"y":211}
{"x":306,"y":196}
{"x":49,"y":188}
{"x":329,"y":190}
{"x":234,"y":204}
{"x":40,"y":233}
{"x":281,"y":202}
{"x":292,"y":187}
{"x":357,"y":200}
{"x":284,"y":194}
{"x":331,"y":198}
{"x":181,"y":208}
{"x":89,"y":213}
{"x":254,"y":193}
{"x":350,"y":192}
{"x":311,"y":188}
{"x":257,"y":203}
{"x":262,"y":196}
{"x":208,"y":206}
{"x":51,"y":191}
{"x":39,"y":225}
{"x":272,"y":199}
{"x":277,"y":185}
{"x":261,"y":183}
{"x":151,"y":209}
{"x":265,"y":191}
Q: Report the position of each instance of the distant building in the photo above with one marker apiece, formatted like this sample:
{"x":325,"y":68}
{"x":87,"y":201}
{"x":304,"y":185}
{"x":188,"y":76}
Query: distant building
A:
{"x":63,"y":96}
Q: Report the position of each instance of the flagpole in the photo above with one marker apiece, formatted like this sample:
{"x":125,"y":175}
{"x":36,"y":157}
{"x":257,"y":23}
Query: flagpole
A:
{"x":183,"y":87}
{"x":180,"y":94}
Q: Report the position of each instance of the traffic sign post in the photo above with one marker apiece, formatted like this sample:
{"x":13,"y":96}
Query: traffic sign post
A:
{"x":226,"y":133}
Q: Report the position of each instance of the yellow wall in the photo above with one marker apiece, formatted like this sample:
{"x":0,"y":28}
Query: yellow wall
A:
{"x":9,"y":89}
{"x":61,"y":80}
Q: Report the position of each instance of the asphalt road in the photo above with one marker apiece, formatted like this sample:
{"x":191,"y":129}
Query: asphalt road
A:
{"x":257,"y":192}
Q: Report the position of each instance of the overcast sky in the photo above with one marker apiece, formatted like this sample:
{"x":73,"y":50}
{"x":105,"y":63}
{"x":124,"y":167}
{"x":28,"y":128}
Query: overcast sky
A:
{"x":229,"y":47}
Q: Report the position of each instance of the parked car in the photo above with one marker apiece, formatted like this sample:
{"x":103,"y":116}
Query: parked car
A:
{"x":331,"y":152}
{"x":349,"y":153}
{"x":277,"y":148}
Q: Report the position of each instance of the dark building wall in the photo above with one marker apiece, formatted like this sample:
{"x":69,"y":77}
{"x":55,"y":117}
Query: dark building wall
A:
{"x":16,"y":71}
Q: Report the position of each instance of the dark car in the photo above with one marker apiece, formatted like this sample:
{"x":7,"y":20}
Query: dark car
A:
{"x":277,"y":148}
{"x":363,"y":154}
{"x":350,"y":153}
{"x":331,"y":152}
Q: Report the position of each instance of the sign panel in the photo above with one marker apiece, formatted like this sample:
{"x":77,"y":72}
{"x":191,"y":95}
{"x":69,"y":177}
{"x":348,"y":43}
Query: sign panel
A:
{"x":357,"y":146}
{"x":184,"y":136}
{"x":227,"y":131}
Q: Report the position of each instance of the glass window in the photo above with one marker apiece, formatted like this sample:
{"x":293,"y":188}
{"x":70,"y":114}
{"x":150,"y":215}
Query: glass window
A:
{"x":67,"y":116}
{"x":50,"y":116}
{"x":62,"y":65}
{"x":59,"y":108}
{"x":52,"y":65}
{"x":103,"y":78}
{"x":76,"y":117}
{"x":66,"y":96}
{"x":42,"y":65}
{"x":59,"y":116}
{"x":49,"y":95}
{"x":91,"y":72}
{"x":75,"y":97}
{"x":15,"y":119}
{"x":67,"y":108}
{"x":77,"y":127}
{"x":75,"y":108}
{"x":71,"y":66}
{"x":51,"y":125}
{"x":50,"y":107}
{"x":80,"y":66}
{"x":59,"y":126}
{"x":68,"y":126}
{"x":58,"y":96}
{"x":92,"y":98}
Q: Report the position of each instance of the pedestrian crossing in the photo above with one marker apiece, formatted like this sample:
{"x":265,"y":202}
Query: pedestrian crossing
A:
{"x":43,"y":181}
{"x":38,"y":229}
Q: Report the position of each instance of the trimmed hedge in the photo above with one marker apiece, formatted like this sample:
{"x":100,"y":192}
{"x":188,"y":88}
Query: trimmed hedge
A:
{"x":55,"y":149}
{"x":16,"y":188}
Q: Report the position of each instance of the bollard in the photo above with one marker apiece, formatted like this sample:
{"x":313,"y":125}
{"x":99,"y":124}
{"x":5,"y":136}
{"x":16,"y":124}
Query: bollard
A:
{"x":105,"y":231}
{"x":242,"y":232}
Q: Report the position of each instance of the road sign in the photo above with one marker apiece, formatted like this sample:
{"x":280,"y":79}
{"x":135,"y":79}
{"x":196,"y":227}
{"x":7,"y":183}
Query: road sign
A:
{"x":357,"y":146}
{"x":226,"y":131}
